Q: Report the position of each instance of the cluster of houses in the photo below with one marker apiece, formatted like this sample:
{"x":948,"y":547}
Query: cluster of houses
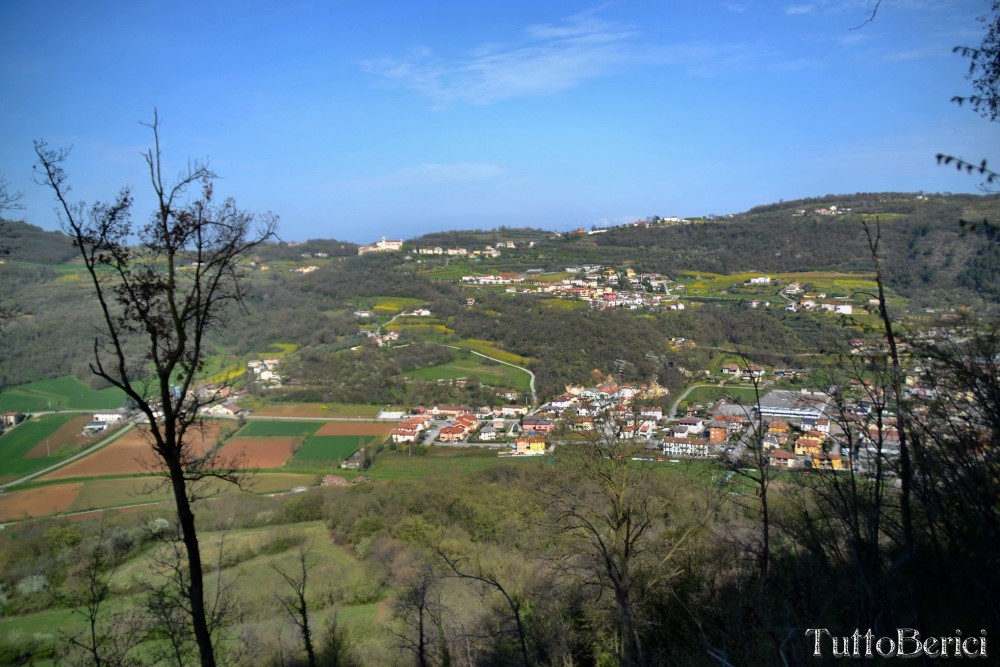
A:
{"x":461,"y":423}
{"x":602,"y":287}
{"x":265,"y":371}
{"x":489,"y":251}
{"x":796,"y":432}
{"x":819,"y":302}
{"x":395,"y":245}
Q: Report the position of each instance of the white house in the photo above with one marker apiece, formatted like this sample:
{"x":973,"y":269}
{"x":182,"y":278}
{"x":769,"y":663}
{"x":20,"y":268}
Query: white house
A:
{"x":109,"y":416}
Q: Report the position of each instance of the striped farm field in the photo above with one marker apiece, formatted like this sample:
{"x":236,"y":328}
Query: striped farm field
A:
{"x":330,"y":447}
{"x":67,"y":434}
{"x":356,"y":428}
{"x":248,"y":452}
{"x":130,"y":454}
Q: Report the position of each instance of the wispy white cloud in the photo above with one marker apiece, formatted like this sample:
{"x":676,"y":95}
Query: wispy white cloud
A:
{"x":548,"y":58}
{"x":429,"y":173}
{"x":734,"y":6}
{"x":796,"y":10}
{"x":862,"y":8}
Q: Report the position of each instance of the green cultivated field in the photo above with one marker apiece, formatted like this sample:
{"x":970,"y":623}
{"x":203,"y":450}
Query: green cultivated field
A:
{"x":261,"y":428}
{"x":65,"y":393}
{"x":17,"y":442}
{"x":490,"y":350}
{"x":325,"y":448}
{"x":395,"y":304}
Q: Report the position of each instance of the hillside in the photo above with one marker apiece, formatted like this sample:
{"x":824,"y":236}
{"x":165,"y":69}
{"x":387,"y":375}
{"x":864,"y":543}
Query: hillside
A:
{"x":930,"y":260}
{"x":31,"y":244}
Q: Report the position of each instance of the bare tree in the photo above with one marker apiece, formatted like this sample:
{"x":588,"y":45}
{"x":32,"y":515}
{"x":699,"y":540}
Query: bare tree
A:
{"x":9,"y":200}
{"x":493,"y":576}
{"x":850,"y":518}
{"x":159,"y":299}
{"x":613,"y":518}
{"x":751,"y":461}
{"x":110,"y":639}
{"x":873,"y":233}
{"x":296,"y":604}
{"x":415,"y":608}
{"x":168,"y":600}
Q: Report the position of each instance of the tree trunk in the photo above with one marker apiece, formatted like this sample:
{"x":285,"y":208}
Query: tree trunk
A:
{"x":196,"y":587}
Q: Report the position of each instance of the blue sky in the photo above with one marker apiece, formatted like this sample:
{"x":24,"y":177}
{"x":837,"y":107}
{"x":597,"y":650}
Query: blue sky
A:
{"x":354,"y":119}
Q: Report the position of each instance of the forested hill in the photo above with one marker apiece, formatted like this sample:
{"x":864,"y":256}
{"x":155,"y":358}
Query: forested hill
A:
{"x":477,"y":238}
{"x":929,"y":256}
{"x":28,"y":243}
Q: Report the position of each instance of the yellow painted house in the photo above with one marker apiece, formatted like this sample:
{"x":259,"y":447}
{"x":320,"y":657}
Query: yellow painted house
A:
{"x":530,"y":446}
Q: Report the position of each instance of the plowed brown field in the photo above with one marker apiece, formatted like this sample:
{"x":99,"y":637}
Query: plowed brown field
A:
{"x":271,"y":452}
{"x":129,"y":454}
{"x":39,"y":501}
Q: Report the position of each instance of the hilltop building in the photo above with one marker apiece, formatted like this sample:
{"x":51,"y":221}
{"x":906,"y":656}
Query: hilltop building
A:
{"x":381,"y":246}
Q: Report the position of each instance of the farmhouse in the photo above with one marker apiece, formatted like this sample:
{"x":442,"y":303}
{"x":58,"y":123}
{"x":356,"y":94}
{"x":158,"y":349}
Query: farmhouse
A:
{"x":110,"y":416}
{"x":9,"y":419}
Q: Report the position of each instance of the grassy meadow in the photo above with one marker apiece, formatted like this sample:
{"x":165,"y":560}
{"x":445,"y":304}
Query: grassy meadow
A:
{"x":323,"y":449}
{"x":65,"y":393}
{"x":473,"y":366}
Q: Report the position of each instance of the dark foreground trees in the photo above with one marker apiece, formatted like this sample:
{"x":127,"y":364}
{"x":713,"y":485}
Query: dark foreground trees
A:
{"x":162,"y":286}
